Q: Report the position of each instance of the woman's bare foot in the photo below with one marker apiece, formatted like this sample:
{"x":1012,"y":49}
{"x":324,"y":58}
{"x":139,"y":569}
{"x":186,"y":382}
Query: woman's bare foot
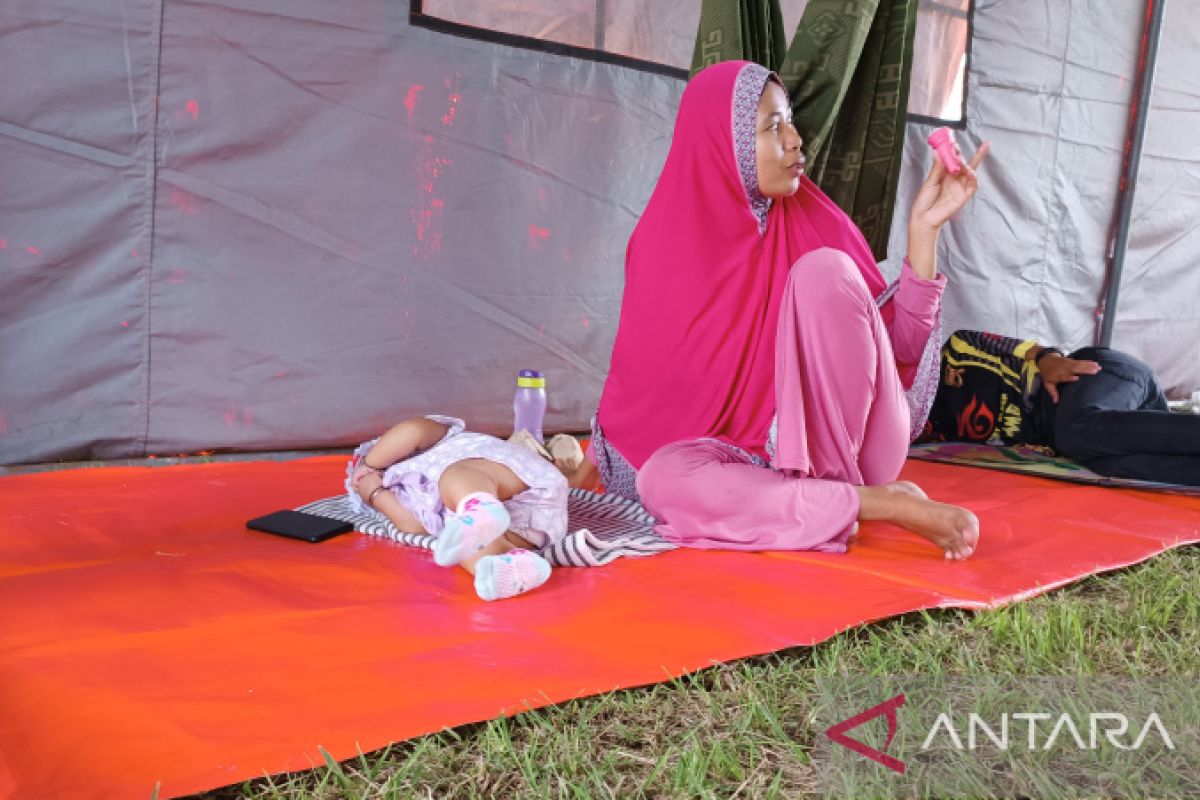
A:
{"x":955,"y":530}
{"x":907,"y":486}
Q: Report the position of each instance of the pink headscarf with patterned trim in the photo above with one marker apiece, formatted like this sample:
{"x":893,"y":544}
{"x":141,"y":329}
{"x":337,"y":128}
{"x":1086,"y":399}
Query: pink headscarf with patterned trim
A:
{"x":704,"y":275}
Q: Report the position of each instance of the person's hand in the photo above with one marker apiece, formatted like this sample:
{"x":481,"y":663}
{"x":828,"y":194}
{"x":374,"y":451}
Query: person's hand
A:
{"x":943,"y":194}
{"x":361,"y":471}
{"x":1056,"y":369}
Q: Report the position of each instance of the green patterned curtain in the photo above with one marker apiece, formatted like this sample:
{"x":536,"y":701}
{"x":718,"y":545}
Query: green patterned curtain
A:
{"x":730,"y":30}
{"x":847,"y":71}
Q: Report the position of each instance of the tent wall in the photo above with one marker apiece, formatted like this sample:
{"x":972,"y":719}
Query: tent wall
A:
{"x":251,"y":226}
{"x":328,"y":221}
{"x":1050,"y":87}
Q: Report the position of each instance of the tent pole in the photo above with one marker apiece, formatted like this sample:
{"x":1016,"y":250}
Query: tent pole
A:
{"x":1136,"y":133}
{"x":600,"y":22}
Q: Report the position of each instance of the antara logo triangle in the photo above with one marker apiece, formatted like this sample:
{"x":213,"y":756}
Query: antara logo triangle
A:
{"x":887,"y":708}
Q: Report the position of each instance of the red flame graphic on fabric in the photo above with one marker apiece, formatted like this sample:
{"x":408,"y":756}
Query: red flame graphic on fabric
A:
{"x":976,"y":421}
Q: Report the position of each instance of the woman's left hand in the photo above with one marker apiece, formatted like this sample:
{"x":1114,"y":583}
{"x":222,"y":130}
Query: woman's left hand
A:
{"x":943,"y":194}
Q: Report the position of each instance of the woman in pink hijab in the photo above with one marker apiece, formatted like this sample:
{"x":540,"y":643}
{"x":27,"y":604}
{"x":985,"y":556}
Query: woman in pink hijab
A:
{"x":756,"y":397}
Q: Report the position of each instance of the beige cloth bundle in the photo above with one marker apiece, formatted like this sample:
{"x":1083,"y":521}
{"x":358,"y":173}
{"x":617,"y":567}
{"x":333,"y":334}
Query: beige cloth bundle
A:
{"x":562,"y":450}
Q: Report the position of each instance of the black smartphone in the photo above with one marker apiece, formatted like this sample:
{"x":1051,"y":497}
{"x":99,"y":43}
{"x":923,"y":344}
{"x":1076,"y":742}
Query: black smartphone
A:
{"x":300,"y":525}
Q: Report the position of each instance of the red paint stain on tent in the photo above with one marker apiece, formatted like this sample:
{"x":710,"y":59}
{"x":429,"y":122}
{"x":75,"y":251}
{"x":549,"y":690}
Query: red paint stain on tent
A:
{"x":537,"y":236}
{"x":3,"y":244}
{"x":410,"y":98}
{"x":452,"y":85}
{"x":538,"y":233}
{"x":193,"y":108}
{"x":33,"y":251}
{"x":233,"y":415}
{"x":183,"y":202}
{"x":431,"y":167}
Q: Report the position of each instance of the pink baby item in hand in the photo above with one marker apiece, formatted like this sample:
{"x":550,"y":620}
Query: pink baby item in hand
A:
{"x":943,"y":144}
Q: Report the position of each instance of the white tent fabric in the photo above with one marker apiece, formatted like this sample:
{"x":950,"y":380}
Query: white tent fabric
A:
{"x":250,"y":225}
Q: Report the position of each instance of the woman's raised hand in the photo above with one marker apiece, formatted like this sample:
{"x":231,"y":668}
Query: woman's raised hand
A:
{"x":943,"y":194}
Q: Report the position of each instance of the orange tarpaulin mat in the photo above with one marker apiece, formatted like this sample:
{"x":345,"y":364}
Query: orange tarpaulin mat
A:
{"x":147,"y":638}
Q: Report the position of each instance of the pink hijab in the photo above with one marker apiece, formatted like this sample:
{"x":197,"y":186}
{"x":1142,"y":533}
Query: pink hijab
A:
{"x":704,"y":274}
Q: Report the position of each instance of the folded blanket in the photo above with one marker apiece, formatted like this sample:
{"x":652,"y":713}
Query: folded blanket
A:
{"x":603,"y":528}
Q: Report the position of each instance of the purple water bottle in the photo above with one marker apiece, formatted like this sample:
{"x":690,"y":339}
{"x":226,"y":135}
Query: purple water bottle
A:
{"x":529,"y":404}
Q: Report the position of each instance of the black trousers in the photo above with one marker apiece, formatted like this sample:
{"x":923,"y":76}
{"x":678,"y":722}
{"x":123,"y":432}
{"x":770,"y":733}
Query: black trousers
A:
{"x":1117,"y":422}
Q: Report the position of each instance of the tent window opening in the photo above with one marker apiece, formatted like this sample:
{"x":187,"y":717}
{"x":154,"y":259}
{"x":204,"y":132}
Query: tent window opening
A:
{"x":652,"y":35}
{"x":941,"y":58}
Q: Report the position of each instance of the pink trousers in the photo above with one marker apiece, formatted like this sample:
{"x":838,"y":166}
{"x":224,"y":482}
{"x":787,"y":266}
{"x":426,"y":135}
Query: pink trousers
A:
{"x":843,"y":422}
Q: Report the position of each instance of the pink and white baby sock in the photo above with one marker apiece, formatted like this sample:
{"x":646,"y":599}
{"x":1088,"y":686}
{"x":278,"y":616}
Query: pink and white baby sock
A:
{"x":510,"y":574}
{"x":479,"y":520}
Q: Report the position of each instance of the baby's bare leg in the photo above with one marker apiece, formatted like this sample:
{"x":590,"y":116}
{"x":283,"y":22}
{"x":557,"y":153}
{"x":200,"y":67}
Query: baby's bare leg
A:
{"x":478,"y":475}
{"x":503,"y":562}
{"x":476,"y":529}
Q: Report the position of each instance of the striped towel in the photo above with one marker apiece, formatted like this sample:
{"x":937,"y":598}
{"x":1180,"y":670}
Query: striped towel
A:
{"x":603,"y":528}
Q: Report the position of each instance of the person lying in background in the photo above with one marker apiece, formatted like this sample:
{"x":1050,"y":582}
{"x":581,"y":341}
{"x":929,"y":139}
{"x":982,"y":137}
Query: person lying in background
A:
{"x":1100,"y":407}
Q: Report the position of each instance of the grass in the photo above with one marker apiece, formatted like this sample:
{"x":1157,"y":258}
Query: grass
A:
{"x":745,"y":729}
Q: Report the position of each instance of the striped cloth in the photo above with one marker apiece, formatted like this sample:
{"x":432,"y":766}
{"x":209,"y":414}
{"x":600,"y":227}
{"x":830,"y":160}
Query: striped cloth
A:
{"x":603,"y":528}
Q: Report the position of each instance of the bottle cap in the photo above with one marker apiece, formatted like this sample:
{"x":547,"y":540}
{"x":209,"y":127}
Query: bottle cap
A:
{"x":530,"y":379}
{"x":939,"y":137}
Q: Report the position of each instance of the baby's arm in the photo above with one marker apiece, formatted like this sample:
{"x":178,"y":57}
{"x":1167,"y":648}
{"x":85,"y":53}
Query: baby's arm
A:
{"x":402,"y":440}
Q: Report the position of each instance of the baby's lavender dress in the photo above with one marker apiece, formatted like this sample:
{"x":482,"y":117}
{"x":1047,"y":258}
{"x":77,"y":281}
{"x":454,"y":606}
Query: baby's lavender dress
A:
{"x":539,"y":514}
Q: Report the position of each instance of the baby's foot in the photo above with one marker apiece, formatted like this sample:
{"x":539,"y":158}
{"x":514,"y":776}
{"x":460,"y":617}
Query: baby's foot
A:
{"x":479,"y":521}
{"x":510,"y":574}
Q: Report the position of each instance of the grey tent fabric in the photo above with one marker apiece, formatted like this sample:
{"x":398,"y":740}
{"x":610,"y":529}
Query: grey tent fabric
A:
{"x":1050,"y":88}
{"x":329,"y":221}
{"x":264,"y":226}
